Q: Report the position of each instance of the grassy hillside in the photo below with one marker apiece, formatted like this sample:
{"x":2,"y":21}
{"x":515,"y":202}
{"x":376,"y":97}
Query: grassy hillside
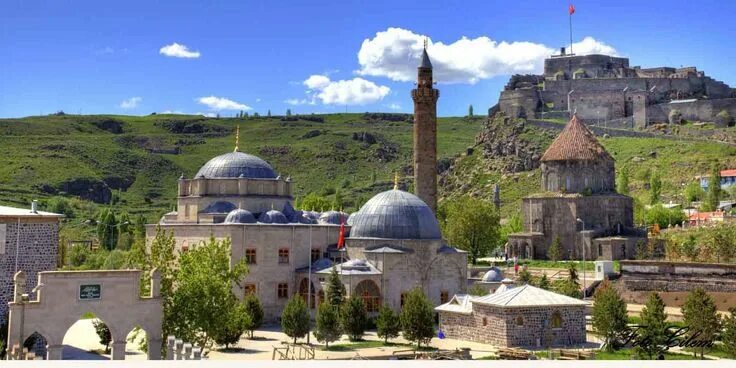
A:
{"x":73,"y":156}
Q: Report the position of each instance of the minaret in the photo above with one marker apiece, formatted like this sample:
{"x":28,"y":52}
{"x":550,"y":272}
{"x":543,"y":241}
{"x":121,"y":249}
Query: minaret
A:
{"x":425,"y":133}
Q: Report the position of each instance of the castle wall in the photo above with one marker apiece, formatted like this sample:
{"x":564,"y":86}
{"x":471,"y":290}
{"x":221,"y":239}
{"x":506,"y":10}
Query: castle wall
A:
{"x":520,"y":102}
{"x":594,"y":65}
{"x":699,"y":110}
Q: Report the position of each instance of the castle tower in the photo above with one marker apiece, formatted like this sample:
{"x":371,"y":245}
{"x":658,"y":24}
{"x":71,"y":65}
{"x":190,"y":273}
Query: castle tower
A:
{"x":425,"y":133}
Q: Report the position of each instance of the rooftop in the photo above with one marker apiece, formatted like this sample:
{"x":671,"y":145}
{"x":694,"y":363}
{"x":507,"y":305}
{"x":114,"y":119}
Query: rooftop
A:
{"x":522,"y":296}
{"x":25,"y":212}
{"x":575,"y":143}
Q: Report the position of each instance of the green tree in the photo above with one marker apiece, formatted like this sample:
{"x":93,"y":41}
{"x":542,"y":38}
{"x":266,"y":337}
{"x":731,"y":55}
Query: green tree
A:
{"x":107,"y":229}
{"x":417,"y":318}
{"x":664,"y":217}
{"x":103,"y":332}
{"x":236,"y":323}
{"x":713,"y":196}
{"x":478,"y":290}
{"x":315,"y":202}
{"x":354,"y":318}
{"x":255,"y":311}
{"x":694,"y":192}
{"x":728,"y":336}
{"x":655,"y":188}
{"x":700,"y":316}
{"x":689,"y":247}
{"x":524,"y":277}
{"x":653,"y":327}
{"x":555,"y":250}
{"x":388,"y":324}
{"x":335,"y":289}
{"x":470,"y":111}
{"x":609,"y":315}
{"x":203,"y":299}
{"x":544,"y":282}
{"x":622,"y":182}
{"x":472,"y":225}
{"x":295,"y":318}
{"x":328,"y":324}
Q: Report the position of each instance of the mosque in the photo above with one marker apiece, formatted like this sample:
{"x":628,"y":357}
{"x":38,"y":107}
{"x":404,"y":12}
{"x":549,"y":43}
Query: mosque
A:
{"x":393,"y":243}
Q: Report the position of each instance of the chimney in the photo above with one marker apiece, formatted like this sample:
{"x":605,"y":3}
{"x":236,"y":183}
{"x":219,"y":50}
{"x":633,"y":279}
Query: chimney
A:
{"x":34,"y":206}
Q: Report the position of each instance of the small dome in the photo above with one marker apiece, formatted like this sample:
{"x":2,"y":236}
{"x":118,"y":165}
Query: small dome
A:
{"x":314,"y":215}
{"x":236,"y":165}
{"x":332,"y":218}
{"x":504,"y":287}
{"x":273,"y":217}
{"x":493,"y":275}
{"x":219,"y":207}
{"x":240,"y":216}
{"x":395,"y":214}
{"x":351,"y":218}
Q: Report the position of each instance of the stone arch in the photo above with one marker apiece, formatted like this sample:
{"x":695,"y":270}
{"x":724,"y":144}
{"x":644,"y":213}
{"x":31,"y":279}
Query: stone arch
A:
{"x":307,"y":293}
{"x":370,"y":293}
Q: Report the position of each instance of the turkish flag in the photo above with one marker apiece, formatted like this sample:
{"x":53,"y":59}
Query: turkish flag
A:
{"x":571,"y":9}
{"x":341,"y":237}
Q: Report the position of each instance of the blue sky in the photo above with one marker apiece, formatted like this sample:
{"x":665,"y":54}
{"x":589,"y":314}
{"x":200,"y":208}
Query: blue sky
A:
{"x":314,"y":56}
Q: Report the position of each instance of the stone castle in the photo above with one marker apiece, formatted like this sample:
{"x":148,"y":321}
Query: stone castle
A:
{"x":605,"y":88}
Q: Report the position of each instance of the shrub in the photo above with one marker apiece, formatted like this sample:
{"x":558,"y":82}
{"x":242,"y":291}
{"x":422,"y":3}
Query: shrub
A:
{"x":255,"y":311}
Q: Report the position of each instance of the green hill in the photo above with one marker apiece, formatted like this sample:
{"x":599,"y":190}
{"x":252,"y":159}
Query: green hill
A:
{"x":135,"y":161}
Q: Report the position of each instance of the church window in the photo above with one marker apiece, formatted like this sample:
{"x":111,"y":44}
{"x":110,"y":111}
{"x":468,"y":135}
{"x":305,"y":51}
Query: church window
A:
{"x":556,"y":320}
{"x":250,"y":256}
{"x":283,"y":255}
{"x":444,"y":297}
{"x":249,"y":289}
{"x":519,"y":321}
{"x":283,"y":290}
{"x":316,"y":254}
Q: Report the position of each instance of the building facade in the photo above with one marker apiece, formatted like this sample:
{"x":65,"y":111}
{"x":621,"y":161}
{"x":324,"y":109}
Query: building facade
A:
{"x":578,"y":204}
{"x":524,"y":316}
{"x":29,"y":242}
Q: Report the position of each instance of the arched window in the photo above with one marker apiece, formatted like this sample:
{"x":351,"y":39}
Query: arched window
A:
{"x":370,"y":293}
{"x":556,"y":321}
{"x":485,"y":321}
{"x":306,"y":293}
{"x":519,"y":321}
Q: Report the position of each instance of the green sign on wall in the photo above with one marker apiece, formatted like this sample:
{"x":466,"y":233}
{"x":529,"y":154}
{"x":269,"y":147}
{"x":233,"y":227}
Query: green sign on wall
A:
{"x":90,"y":292}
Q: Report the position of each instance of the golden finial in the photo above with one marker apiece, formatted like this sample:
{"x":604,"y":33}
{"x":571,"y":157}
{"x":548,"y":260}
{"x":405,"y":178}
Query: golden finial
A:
{"x":396,"y":180}
{"x":425,"y":43}
{"x":237,"y":139}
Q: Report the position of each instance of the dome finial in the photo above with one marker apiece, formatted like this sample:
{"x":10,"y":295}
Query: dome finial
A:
{"x":237,"y":139}
{"x":396,"y":180}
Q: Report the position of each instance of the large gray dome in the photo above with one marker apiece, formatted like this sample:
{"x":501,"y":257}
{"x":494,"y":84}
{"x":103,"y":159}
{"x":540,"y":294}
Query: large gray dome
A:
{"x":236,"y":165}
{"x":240,"y":216}
{"x":395,"y":214}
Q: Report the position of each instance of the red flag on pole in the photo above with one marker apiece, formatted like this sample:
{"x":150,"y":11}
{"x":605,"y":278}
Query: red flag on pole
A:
{"x":341,"y":237}
{"x":571,"y":9}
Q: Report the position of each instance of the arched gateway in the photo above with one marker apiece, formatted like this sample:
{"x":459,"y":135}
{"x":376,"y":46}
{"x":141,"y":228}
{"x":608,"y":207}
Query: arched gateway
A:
{"x":63,"y":296}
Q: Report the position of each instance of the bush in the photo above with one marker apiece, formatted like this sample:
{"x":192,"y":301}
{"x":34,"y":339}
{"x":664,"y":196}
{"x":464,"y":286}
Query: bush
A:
{"x":665,"y":217}
{"x":417,"y":318}
{"x":724,"y":119}
{"x":328,"y":324}
{"x":295,"y":318}
{"x":116,"y":260}
{"x":235,"y":325}
{"x":103,"y":332}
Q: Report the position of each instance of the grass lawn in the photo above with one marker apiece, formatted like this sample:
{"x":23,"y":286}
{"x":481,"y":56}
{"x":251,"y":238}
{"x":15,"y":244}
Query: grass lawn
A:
{"x":627,"y":354}
{"x":717,"y":351}
{"x":636,"y":320}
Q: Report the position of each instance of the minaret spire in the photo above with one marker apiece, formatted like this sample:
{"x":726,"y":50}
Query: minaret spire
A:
{"x":237,"y":139}
{"x":425,"y":132}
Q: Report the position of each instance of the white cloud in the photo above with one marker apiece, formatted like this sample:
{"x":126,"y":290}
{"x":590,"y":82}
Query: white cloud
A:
{"x":179,"y":112}
{"x":131,"y":103}
{"x":356,"y":91}
{"x":395,"y":52}
{"x":258,"y":100}
{"x":394,"y":106}
{"x":172,"y":112}
{"x":179,"y":51}
{"x":221,"y":103}
{"x":296,"y":101}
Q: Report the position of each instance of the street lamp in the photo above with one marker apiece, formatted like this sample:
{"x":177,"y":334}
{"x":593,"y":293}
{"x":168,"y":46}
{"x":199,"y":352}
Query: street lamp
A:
{"x":585,"y":287}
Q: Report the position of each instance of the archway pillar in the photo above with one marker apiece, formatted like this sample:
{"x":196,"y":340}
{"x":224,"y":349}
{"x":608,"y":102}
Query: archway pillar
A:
{"x":54,"y":352}
{"x":118,"y":350}
{"x":154,"y":348}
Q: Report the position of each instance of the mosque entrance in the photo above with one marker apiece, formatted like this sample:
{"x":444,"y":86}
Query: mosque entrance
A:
{"x":110,"y":297}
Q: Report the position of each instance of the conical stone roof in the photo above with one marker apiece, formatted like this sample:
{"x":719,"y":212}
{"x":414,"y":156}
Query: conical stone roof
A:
{"x":575,"y":143}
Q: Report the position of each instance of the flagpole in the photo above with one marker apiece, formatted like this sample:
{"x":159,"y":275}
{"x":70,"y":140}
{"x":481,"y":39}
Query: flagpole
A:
{"x":570,"y":15}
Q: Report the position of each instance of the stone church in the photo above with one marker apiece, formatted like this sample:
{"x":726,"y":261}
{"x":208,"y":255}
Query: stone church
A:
{"x":394,"y":242}
{"x":578,"y":203}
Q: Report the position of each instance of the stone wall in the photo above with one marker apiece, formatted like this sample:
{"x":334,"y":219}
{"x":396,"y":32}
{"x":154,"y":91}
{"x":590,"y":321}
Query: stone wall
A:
{"x":594,"y":65}
{"x":501,"y":328}
{"x":699,"y":110}
{"x":577,"y":176}
{"x":39,"y":249}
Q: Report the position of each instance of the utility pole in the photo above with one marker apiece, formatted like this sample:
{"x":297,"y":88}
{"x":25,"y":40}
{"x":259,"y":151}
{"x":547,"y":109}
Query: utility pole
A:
{"x":585,"y":287}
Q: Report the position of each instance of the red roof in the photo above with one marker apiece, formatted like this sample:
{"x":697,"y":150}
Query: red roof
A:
{"x":575,"y":143}
{"x":729,"y":172}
